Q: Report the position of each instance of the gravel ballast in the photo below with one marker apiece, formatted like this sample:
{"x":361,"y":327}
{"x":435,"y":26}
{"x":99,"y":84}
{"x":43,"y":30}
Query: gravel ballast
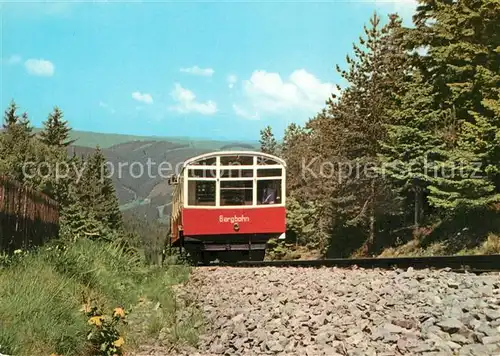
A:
{"x":333,"y":311}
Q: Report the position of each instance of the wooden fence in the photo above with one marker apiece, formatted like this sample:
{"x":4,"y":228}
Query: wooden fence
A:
{"x":27,"y":218}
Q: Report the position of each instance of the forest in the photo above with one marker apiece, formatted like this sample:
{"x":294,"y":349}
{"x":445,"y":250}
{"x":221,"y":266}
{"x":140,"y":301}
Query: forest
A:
{"x":406,"y":160}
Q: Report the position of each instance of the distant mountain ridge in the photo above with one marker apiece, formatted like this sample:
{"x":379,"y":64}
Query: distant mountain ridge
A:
{"x":106,"y":140}
{"x":144,"y":194}
{"x":140,"y":193}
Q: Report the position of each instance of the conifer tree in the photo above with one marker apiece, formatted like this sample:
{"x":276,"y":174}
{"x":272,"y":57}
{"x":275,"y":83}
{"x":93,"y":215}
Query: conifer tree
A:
{"x":360,"y":115}
{"x":405,"y":152}
{"x":16,"y":147}
{"x":293,"y":152}
{"x":459,"y":182}
{"x":292,"y":137}
{"x":15,"y":123}
{"x":462,"y":67}
{"x":373,"y":75}
{"x":11,"y":117}
{"x":79,"y":220}
{"x":268,"y":143}
{"x":56,"y":131}
{"x":98,"y":192}
{"x":55,"y":138}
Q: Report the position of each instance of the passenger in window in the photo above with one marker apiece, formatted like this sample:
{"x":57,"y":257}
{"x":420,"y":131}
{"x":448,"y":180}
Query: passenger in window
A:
{"x":269,"y":196}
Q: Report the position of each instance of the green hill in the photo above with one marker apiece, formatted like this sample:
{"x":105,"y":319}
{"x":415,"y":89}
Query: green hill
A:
{"x":107,"y":140}
{"x":146,"y":195}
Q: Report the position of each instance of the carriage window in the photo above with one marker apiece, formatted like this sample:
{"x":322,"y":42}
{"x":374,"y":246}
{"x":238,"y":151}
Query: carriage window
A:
{"x":201,"y":192}
{"x":205,"y":162}
{"x":236,"y":173}
{"x":202,"y":173}
{"x":236,"y":160}
{"x":236,"y":192}
{"x":264,"y":161}
{"x":269,"y":191}
{"x":271,"y":172}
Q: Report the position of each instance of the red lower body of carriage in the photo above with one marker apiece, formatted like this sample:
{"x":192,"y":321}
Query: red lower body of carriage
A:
{"x":234,"y":229}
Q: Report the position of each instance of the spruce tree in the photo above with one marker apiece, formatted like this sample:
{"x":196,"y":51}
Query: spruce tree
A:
{"x":463,"y":68}
{"x":16,"y":145}
{"x":15,"y":123}
{"x":99,"y":191}
{"x":360,"y":115}
{"x":459,"y":182}
{"x":268,"y":143}
{"x":292,"y":137}
{"x":79,"y":220}
{"x":293,"y":151}
{"x":11,"y":117}
{"x":406,"y":151}
{"x":56,"y":131}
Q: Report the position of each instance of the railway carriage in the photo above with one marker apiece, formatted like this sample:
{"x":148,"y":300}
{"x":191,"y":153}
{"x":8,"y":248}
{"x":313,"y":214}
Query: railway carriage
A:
{"x":226,"y":205}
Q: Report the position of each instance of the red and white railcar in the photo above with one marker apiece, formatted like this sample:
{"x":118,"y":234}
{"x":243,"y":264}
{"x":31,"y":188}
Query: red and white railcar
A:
{"x":228,"y":204}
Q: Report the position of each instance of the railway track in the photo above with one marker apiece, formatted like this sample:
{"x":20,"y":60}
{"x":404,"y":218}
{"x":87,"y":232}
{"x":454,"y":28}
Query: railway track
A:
{"x":470,"y":263}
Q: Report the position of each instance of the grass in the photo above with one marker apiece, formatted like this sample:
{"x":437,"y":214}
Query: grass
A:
{"x":42,"y":293}
{"x":39,"y":310}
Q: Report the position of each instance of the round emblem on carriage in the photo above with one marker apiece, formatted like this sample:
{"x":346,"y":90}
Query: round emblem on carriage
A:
{"x":236,"y":226}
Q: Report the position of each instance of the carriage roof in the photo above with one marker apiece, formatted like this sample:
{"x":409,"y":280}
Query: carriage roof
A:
{"x":205,"y":156}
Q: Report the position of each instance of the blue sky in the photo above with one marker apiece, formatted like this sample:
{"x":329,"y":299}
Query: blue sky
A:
{"x":199,"y":69}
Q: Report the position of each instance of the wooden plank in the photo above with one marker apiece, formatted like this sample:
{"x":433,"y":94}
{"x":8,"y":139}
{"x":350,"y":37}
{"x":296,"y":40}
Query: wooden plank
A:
{"x":28,"y":218}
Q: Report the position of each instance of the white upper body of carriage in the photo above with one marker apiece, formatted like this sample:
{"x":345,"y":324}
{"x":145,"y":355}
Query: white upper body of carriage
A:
{"x":230,"y":179}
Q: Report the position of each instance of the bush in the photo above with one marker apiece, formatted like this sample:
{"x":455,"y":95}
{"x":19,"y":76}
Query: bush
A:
{"x":280,"y":250}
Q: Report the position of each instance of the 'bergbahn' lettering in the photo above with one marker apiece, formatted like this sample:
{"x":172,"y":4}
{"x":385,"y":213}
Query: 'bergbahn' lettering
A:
{"x":233,"y":219}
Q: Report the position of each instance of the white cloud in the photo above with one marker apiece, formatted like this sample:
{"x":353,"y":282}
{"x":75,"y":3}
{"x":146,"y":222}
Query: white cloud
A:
{"x":40,"y":67}
{"x":186,"y":100}
{"x":244,"y":113}
{"x":231,"y":80}
{"x":205,"y":72}
{"x":144,"y":97}
{"x":302,"y":93}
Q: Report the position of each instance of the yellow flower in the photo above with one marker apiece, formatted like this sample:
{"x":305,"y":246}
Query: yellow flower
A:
{"x":119,"y":312}
{"x":119,"y":342}
{"x":97,"y":320}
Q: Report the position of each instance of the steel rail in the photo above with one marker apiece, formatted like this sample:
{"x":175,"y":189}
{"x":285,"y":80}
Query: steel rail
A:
{"x":469,"y":263}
